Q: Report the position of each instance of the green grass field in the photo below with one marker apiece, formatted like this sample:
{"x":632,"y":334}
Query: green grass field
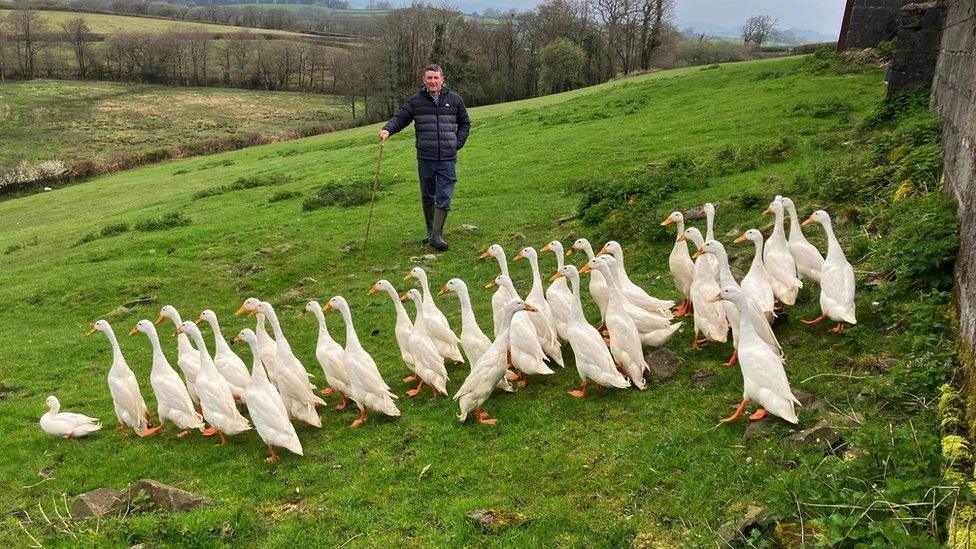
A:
{"x":104,"y":24}
{"x":71,"y":120}
{"x":599,"y":471}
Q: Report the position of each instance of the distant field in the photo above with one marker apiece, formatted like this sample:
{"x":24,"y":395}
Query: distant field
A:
{"x":103,"y":24}
{"x":72,"y":120}
{"x":315,"y":7}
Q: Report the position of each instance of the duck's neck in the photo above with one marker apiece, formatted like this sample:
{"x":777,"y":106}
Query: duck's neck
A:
{"x":503,"y":338}
{"x":219,"y":343}
{"x":536,"y":278}
{"x":502,"y":263}
{"x":116,"y":351}
{"x":258,"y":374}
{"x":795,"y":230}
{"x":401,"y":311}
{"x":560,"y":261}
{"x":757,"y":262}
{"x":421,"y":321}
{"x":157,"y":349}
{"x":468,"y":320}
{"x":681,"y":230}
{"x":576,"y":307}
{"x":205,"y":360}
{"x":275,"y":326}
{"x":778,"y":226}
{"x":724,"y":270}
{"x":324,"y":334}
{"x":182,"y":342}
{"x":588,"y":250}
{"x":612,"y":283}
{"x":428,"y":300}
{"x":260,"y":328}
{"x":709,"y":225}
{"x":833,"y":245}
{"x":352,"y":339}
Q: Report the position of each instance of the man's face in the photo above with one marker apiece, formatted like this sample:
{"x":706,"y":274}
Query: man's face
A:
{"x":433,"y":80}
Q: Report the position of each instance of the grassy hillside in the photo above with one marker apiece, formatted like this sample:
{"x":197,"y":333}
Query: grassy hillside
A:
{"x":104,"y":24}
{"x":602,"y":471}
{"x":73,"y":120}
{"x":315,"y":7}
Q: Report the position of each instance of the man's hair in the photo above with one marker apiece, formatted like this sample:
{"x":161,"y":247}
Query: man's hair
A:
{"x":433,"y":67}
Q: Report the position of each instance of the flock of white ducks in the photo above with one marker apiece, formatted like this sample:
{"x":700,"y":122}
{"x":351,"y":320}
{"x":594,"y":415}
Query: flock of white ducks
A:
{"x":529,"y":334}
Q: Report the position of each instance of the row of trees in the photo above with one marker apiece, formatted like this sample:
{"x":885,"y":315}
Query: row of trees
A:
{"x":560,"y":45}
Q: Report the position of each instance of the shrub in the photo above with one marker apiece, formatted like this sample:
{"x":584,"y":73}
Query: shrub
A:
{"x":918,"y":242}
{"x":896,"y":107}
{"x":85,"y":239}
{"x":243,"y":183}
{"x":112,"y":230}
{"x":163,"y":222}
{"x":824,"y":108}
{"x":283,"y":195}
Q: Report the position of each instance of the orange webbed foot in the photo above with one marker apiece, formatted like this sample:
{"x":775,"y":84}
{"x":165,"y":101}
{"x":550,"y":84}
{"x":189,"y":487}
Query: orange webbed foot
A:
{"x":326,"y":391}
{"x":758,"y":414}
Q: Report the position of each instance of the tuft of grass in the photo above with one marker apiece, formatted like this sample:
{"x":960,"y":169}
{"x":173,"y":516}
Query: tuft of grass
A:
{"x":283,"y":195}
{"x":32,"y":241}
{"x":112,"y":230}
{"x":243,"y":183}
{"x":346,"y":193}
{"x":824,"y":108}
{"x":163,"y":222}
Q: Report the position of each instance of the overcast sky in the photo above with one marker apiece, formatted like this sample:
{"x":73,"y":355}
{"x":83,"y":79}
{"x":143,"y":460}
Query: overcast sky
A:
{"x":820,"y":15}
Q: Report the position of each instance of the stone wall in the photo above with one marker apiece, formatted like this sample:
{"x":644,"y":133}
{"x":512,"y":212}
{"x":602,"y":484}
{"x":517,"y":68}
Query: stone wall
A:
{"x":918,"y":46}
{"x":954,"y":98}
{"x":870,"y":22}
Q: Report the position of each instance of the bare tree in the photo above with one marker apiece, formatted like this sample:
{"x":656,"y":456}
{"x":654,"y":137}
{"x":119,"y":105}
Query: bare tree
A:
{"x":27,"y":29}
{"x":78,"y":35}
{"x":3,"y":51}
{"x":654,"y":16}
{"x":758,"y":29}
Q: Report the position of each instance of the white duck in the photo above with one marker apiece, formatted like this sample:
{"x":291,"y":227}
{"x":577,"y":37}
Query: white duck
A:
{"x":543,"y":321}
{"x":760,"y":324}
{"x":593,"y":359}
{"x":527,"y":355}
{"x":710,"y":318}
{"x":634,"y":293}
{"x":755,"y":284}
{"x":296,"y":391}
{"x":501,"y":297}
{"x":403,"y":326}
{"x":173,"y":401}
{"x":625,"y":343}
{"x":265,"y":406}
{"x":438,"y":328}
{"x":428,"y":363}
{"x":130,"y":408}
{"x":837,"y":283}
{"x":67,"y":424}
{"x":216,"y":397}
{"x":557,"y":294}
{"x":188,"y":359}
{"x":779,"y":261}
{"x":490,"y":368}
{"x":763,"y":377}
{"x":329,"y":354}
{"x":709,"y":210}
{"x":598,"y":284}
{"x":266,"y":344}
{"x":228,"y":363}
{"x":474,"y":342}
{"x":369,"y":391}
{"x":680,"y":263}
{"x":652,"y":326}
{"x":807,"y":257}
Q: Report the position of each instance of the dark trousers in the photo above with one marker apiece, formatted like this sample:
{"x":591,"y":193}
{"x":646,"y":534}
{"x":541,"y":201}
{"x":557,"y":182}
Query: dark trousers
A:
{"x":437,"y":180}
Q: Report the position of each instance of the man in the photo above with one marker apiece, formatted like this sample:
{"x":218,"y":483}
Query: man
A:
{"x":442,"y":125}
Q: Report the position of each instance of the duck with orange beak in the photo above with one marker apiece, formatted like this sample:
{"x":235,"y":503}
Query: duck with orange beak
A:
{"x":368,"y":389}
{"x":680,"y":263}
{"x":837,"y":282}
{"x":710,"y":320}
{"x":130,"y":408}
{"x":763,"y":377}
{"x":490,"y":368}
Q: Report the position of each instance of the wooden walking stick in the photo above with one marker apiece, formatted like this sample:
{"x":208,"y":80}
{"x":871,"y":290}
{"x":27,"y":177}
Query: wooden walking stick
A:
{"x":372,"y":199}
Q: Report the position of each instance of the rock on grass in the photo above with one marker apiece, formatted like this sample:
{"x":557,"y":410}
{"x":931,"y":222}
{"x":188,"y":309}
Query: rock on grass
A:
{"x":495,"y":521}
{"x":663,"y":363}
{"x":97,"y":503}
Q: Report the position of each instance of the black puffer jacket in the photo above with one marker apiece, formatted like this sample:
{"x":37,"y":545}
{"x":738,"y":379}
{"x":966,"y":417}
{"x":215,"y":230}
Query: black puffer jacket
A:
{"x":441,"y":128}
